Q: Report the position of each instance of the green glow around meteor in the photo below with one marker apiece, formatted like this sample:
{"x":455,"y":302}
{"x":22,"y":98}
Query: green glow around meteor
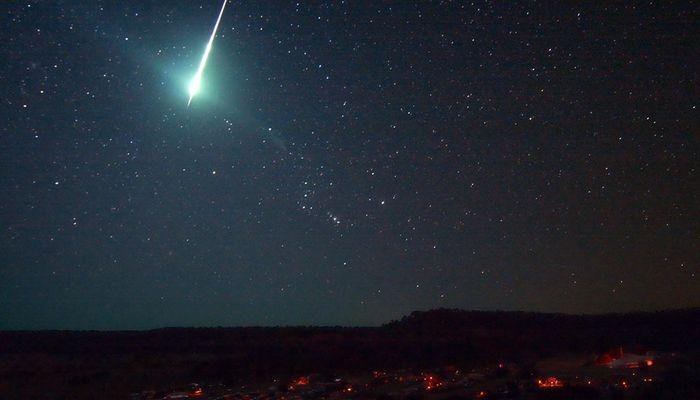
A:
{"x":196,"y":82}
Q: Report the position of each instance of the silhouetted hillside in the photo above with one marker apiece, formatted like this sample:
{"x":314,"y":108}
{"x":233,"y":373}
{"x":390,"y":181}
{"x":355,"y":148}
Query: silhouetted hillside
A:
{"x":500,"y":330}
{"x":677,"y":329}
{"x":463,"y":319}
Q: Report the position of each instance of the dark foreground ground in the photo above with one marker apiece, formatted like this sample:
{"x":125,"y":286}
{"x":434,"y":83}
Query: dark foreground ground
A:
{"x":440,"y":354}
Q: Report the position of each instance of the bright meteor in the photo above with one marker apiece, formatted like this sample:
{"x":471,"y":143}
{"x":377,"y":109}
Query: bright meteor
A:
{"x":196,"y":81}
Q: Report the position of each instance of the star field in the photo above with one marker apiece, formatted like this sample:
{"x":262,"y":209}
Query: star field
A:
{"x":344,"y":163}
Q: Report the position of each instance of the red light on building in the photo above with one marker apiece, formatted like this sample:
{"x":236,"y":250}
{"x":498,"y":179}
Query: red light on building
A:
{"x":302,"y":381}
{"x":550,"y":382}
{"x":649,"y":363}
{"x":431,"y":382}
{"x":378,"y":374}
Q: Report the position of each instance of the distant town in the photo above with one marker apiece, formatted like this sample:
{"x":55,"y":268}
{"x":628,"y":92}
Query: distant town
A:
{"x":442,"y":354}
{"x":614,"y":374}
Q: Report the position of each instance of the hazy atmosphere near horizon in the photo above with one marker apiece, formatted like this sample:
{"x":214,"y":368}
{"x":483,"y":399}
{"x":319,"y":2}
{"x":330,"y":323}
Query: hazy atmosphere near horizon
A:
{"x":344,"y":163}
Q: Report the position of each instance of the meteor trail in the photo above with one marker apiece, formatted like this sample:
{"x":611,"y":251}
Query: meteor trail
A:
{"x":196,"y":81}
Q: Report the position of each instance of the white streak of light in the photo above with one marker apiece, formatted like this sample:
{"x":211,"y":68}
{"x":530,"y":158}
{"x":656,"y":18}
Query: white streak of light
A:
{"x":196,"y":81}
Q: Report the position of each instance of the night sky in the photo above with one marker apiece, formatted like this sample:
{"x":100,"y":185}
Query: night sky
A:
{"x":345,"y":163}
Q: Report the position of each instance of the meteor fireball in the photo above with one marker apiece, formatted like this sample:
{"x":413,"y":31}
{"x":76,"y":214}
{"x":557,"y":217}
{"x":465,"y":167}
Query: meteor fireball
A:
{"x":196,"y":82}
